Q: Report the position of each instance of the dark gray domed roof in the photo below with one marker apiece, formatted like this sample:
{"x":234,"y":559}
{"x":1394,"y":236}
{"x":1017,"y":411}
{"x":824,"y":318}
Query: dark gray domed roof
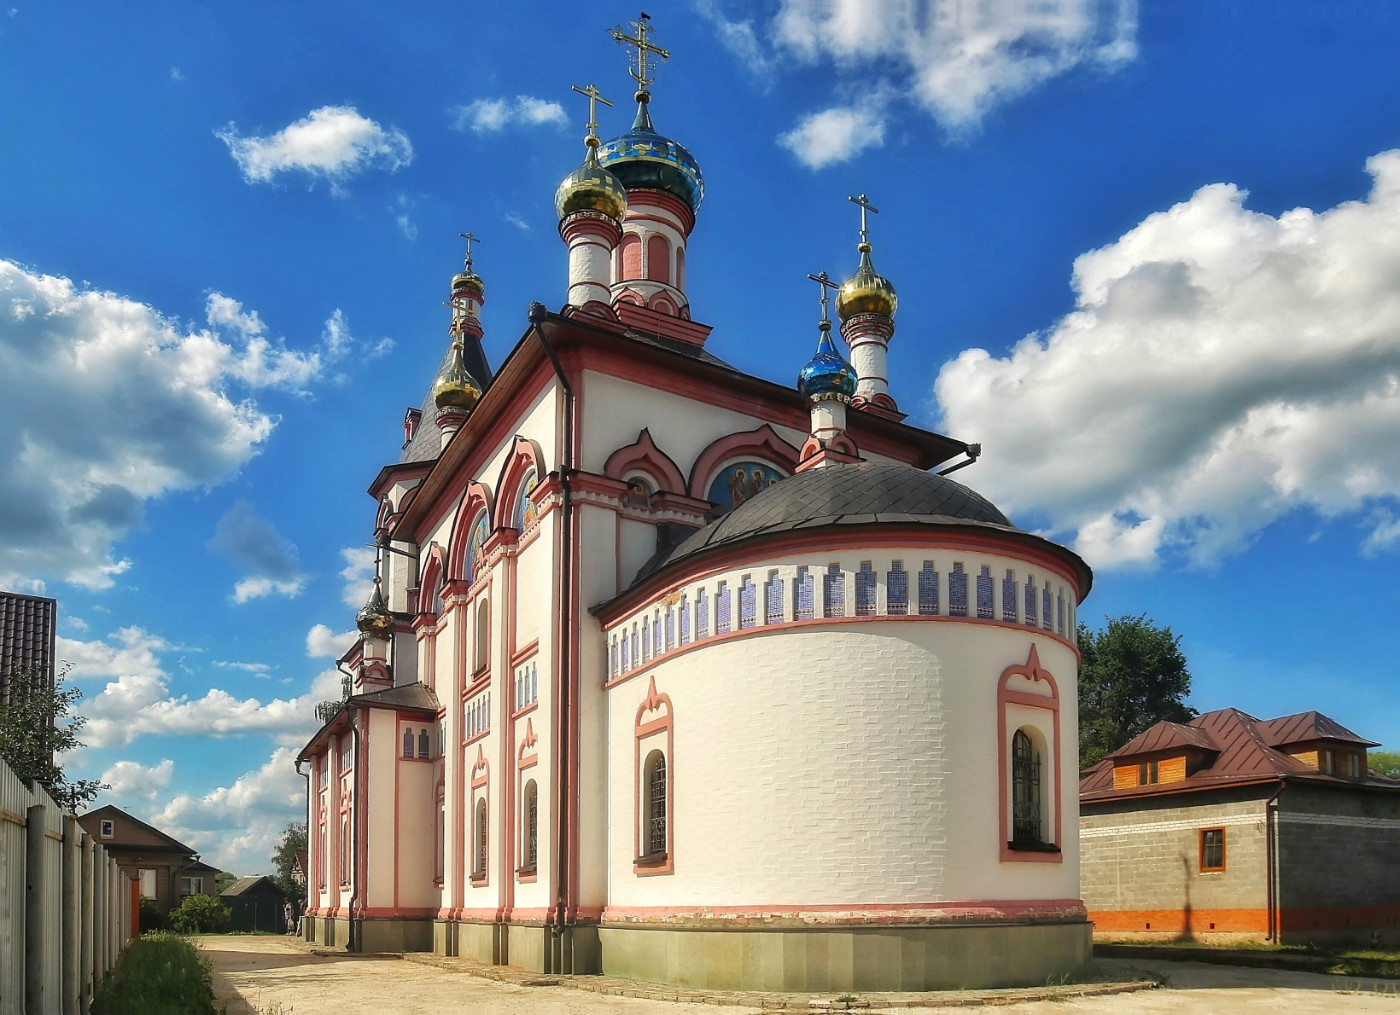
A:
{"x":859,"y":494}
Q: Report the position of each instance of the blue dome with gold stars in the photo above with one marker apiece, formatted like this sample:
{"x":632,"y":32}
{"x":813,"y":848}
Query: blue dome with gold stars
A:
{"x":643,"y":158}
{"x":827,"y":375}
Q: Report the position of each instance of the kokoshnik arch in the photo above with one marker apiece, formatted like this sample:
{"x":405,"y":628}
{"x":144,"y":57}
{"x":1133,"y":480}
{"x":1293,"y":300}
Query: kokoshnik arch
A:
{"x":677,"y":673}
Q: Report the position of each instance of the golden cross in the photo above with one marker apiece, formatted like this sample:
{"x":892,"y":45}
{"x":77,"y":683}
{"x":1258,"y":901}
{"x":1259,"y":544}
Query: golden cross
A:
{"x":594,"y":97}
{"x":644,"y":47}
{"x":470,"y":240}
{"x":824,"y":280}
{"x":865,"y":206}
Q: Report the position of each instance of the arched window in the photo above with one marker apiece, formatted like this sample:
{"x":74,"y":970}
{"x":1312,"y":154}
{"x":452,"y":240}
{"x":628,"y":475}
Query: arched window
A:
{"x":483,"y":635}
{"x":475,"y":548}
{"x":441,"y":867}
{"x":631,"y":256}
{"x":680,"y":268}
{"x":530,"y":832}
{"x":1026,"y":829}
{"x":525,"y":510}
{"x":424,"y":744}
{"x":479,"y":866}
{"x":408,"y":743}
{"x":655,"y":782}
{"x":658,"y":259}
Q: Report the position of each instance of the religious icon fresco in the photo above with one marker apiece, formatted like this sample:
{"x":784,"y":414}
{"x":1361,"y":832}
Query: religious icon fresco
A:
{"x":738,"y":482}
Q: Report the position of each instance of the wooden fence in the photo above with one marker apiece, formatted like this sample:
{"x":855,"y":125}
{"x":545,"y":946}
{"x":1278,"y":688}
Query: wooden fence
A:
{"x":65,"y":909}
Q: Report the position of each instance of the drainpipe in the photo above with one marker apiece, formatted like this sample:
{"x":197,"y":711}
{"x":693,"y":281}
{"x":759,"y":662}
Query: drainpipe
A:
{"x":1270,"y":862}
{"x":555,"y":923}
{"x":306,"y":872}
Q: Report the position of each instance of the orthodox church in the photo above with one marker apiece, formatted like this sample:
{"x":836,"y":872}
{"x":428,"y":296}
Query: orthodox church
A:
{"x":678,"y":673}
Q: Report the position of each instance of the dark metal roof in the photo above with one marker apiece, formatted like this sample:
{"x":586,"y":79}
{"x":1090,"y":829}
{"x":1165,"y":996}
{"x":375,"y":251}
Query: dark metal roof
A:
{"x":427,"y":441}
{"x":414,"y":695}
{"x":1307,"y":726}
{"x":1166,"y":736}
{"x":260,"y":884}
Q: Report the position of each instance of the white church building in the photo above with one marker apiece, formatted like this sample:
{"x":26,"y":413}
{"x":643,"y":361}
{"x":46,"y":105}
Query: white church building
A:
{"x":678,"y":673}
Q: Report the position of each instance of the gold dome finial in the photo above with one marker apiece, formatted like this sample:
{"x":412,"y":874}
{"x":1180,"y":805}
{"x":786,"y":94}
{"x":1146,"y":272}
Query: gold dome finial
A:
{"x":867,"y":292}
{"x":454,"y":387}
{"x":374,"y":618}
{"x":591,"y":187}
{"x":466,"y":278}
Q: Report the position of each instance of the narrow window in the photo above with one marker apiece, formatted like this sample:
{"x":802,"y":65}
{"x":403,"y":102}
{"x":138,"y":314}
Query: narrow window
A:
{"x":1045,"y":611}
{"x":658,"y":259}
{"x":722,"y":609}
{"x":656,"y":633}
{"x":626,"y":653}
{"x":656,"y":804}
{"x":1353,"y":765}
{"x":1060,"y":611}
{"x":1025,"y":791}
{"x":1212,"y":849}
{"x":685,"y":620}
{"x":702,"y":615}
{"x":984,"y":593}
{"x":773,"y":599}
{"x":748,"y":603}
{"x":441,"y":838}
{"x":680,"y":268}
{"x":897,"y":590}
{"x":957,"y":592}
{"x":670,"y":628}
{"x":612,"y":658}
{"x":408,"y":743}
{"x":636,"y":647}
{"x":424,"y":744}
{"x":1008,"y":597}
{"x":834,"y":592}
{"x":928,"y":590}
{"x":1147,"y":773}
{"x":479,"y":871}
{"x":483,"y":634}
{"x":865,"y":590}
{"x":1324,"y":762}
{"x":531,"y":836}
{"x":803,"y":594}
{"x":631,"y":256}
{"x":1032,"y":618}
{"x":646,"y":639}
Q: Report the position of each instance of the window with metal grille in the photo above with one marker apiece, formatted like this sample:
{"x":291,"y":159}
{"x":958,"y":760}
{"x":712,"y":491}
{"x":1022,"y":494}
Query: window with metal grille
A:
{"x":834,"y":592}
{"x":865,"y":590}
{"x":532,"y":826}
{"x":984,"y":593}
{"x":803,"y":594}
{"x":646,"y":639}
{"x":656,"y":634}
{"x":656,"y":804}
{"x":636,"y":647}
{"x":957,"y":592}
{"x":408,"y":743}
{"x":626,"y":653}
{"x":670,"y":628}
{"x":722,"y":609}
{"x":1031,"y":618}
{"x":479,"y":871}
{"x":1046,"y":614}
{"x":928,"y":590}
{"x":748,"y":603}
{"x":702,"y":615}
{"x":1008,"y":597}
{"x":1025,"y":791}
{"x":1212,"y":849}
{"x":773,"y":599}
{"x":685,"y":620}
{"x":897,"y":589}
{"x":424,"y":744}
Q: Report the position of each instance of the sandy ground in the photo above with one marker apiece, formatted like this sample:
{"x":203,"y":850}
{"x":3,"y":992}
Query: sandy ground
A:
{"x":265,"y":975}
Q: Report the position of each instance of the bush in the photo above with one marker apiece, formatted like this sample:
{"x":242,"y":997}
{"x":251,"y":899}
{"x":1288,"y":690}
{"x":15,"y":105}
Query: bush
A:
{"x":151,"y":918}
{"x":158,"y":974}
{"x":200,"y":914}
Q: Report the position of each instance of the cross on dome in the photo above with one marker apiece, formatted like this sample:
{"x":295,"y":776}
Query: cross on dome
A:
{"x":470,"y":240}
{"x":824,"y":280}
{"x":641,"y":63}
{"x":865,"y":206}
{"x":594,"y":97}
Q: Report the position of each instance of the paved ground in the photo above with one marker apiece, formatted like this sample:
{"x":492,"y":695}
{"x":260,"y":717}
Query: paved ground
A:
{"x":271,"y":976}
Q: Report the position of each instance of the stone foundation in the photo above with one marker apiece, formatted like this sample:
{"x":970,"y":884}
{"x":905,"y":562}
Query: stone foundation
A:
{"x":372,"y":935}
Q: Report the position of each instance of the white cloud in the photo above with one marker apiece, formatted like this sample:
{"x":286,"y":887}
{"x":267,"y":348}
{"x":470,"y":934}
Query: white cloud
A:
{"x":176,"y":74}
{"x":136,"y":701}
{"x":740,"y":38}
{"x":358,"y":573}
{"x":1222,"y":367}
{"x":517,"y":221}
{"x":322,"y":642}
{"x":955,"y":60}
{"x":258,"y":669}
{"x":834,"y":135}
{"x":402,"y":211}
{"x":332,"y":143}
{"x":236,"y":827}
{"x":270,"y":562}
{"x":130,"y":779}
{"x":486,"y":116}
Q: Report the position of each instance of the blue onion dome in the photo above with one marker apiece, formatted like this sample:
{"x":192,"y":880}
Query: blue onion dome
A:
{"x":454,"y":387}
{"x":374,"y":618}
{"x":643,"y":158}
{"x":827,"y":375}
{"x":867,"y":292}
{"x":590,"y":187}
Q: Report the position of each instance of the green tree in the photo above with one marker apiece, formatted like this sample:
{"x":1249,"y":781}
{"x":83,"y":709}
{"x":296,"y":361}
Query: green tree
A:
{"x":1385,"y":762}
{"x":200,"y":914}
{"x":1132,"y":674}
{"x":292,"y":842}
{"x":36,"y":727}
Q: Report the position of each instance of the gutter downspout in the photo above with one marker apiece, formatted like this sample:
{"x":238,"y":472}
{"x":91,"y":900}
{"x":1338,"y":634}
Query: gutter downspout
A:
{"x":356,"y":853}
{"x":306,"y":888}
{"x":1270,"y":862}
{"x":556,"y":921}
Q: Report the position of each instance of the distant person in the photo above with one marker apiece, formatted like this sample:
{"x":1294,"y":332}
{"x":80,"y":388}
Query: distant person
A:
{"x":289,"y":916}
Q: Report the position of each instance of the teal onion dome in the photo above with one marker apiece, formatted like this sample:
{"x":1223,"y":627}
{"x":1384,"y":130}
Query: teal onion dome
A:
{"x":374,"y":618}
{"x":827,"y":375}
{"x":643,"y":158}
{"x":590,"y":187}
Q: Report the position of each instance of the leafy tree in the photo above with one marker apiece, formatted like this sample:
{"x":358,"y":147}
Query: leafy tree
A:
{"x":222,"y":880}
{"x":200,"y":914}
{"x":1131,"y":675}
{"x":36,"y":727}
{"x":1385,"y":762}
{"x":293,"y":841}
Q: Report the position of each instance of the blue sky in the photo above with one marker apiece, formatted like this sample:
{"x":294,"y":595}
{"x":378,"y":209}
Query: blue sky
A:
{"x":1139,"y":251}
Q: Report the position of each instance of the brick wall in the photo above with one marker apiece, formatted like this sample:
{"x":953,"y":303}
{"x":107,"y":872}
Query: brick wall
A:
{"x":1338,"y":848}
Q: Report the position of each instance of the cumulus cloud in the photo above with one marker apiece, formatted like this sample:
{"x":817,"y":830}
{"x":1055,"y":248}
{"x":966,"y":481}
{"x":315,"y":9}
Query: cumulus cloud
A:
{"x":358,"y":573}
{"x":322,"y":642}
{"x":236,"y":827}
{"x":332,"y":143}
{"x":130,"y":779}
{"x":1222,"y":367}
{"x":136,"y":700}
{"x":956,"y":61}
{"x":268,"y":560}
{"x":835,"y":135}
{"x":487,"y":116}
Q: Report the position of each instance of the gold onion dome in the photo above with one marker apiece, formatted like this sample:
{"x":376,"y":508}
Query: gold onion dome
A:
{"x":454,"y":387}
{"x":867,"y":292}
{"x":374,"y":618}
{"x":590,"y":187}
{"x":468,"y":279}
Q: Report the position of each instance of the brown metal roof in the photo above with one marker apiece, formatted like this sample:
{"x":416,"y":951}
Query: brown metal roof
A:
{"x":1308,"y":726}
{"x":1246,"y":754}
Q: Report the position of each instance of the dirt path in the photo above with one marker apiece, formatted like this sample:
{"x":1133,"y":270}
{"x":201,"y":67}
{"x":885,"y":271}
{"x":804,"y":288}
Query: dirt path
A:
{"x":268,"y":976}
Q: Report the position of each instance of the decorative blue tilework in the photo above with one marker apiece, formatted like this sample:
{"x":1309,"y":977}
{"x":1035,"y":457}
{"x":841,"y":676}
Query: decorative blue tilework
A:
{"x":1060,"y":611}
{"x":928,"y":590}
{"x":612,"y":658}
{"x":773,"y":599}
{"x":1008,"y":597}
{"x":834,"y":592}
{"x":723,"y":608}
{"x":1045,"y":611}
{"x":1031,"y":618}
{"x":656,"y":633}
{"x":685,"y":620}
{"x":626,"y":653}
{"x":748,"y":603}
{"x":957,"y":591}
{"x":804,"y":595}
{"x":865,"y":590}
{"x":984,"y":593}
{"x":670,"y":628}
{"x":702,"y":614}
{"x":636,"y":647}
{"x":646,"y":639}
{"x":897,"y":589}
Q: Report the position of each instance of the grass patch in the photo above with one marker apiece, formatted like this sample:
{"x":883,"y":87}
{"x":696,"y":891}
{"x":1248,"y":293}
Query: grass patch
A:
{"x":158,"y":974}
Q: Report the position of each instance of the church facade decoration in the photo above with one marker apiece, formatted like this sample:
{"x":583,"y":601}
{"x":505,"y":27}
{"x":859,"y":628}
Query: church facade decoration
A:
{"x":683,"y":674}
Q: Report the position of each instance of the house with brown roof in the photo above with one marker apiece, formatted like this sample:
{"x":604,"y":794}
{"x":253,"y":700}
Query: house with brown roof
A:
{"x":166,"y":868}
{"x":1232,"y":826}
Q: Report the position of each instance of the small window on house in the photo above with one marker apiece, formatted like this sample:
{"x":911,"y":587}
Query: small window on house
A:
{"x":530,"y":833}
{"x":1212,"y":849}
{"x":834,"y":592}
{"x":865,"y":590}
{"x":483,"y":634}
{"x":803,"y":591}
{"x":897,"y":589}
{"x":479,"y":852}
{"x":424,"y":744}
{"x":408,"y":743}
{"x":654,"y":835}
{"x":1008,"y":597}
{"x":1324,"y":762}
{"x":109,"y":828}
{"x":148,"y":883}
{"x":1147,"y":773}
{"x":957,"y":591}
{"x":984,"y":593}
{"x":748,"y":603}
{"x":1354,"y":765}
{"x":1026,"y":828}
